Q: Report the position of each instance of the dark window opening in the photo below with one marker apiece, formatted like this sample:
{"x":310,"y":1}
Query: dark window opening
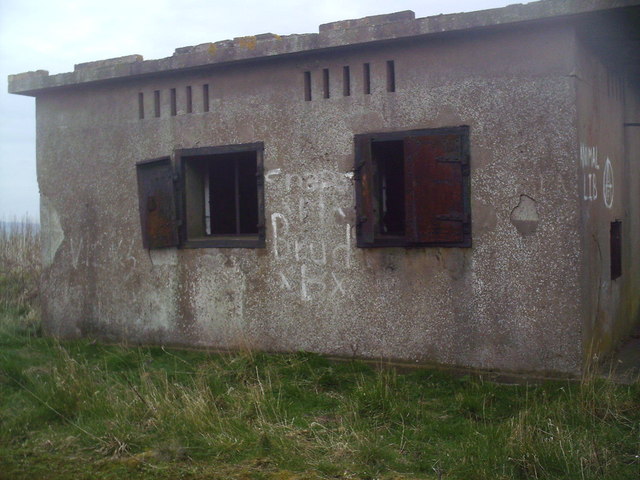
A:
{"x":156,"y":102}
{"x":223,"y":196}
{"x":412,"y":188}
{"x":189,"y":100}
{"x":232,"y":194}
{"x":205,"y":97}
{"x":615,"y":246}
{"x":391,"y":76}
{"x":325,"y":82}
{"x":141,"y":106}
{"x":214,"y":199}
{"x":174,"y":103}
{"x":366,"y":80}
{"x":346,"y":81}
{"x":389,"y":158}
{"x":307,"y":86}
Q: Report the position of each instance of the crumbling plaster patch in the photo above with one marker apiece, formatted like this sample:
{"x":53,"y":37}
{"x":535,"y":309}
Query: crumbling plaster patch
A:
{"x":525,"y":216}
{"x":52,"y":233}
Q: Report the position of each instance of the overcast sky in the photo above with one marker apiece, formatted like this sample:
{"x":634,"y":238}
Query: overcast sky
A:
{"x":55,"y":35}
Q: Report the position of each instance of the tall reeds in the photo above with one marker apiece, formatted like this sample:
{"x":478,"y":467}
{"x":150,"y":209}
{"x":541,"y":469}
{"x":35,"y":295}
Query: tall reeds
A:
{"x":20,"y":266}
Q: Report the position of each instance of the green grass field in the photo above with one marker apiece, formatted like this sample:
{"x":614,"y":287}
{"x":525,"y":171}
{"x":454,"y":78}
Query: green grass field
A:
{"x":78,"y":410}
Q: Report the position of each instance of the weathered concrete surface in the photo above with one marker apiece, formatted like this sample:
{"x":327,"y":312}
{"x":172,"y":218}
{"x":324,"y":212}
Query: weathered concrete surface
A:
{"x":378,"y":28}
{"x":610,"y":189}
{"x":495,"y":306}
{"x":521,"y":299}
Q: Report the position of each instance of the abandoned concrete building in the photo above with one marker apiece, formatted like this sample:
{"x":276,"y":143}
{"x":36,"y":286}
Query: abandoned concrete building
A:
{"x":460,"y":189}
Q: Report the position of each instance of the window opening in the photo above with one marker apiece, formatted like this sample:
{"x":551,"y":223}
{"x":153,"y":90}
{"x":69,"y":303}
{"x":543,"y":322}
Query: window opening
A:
{"x":205,"y":97}
{"x":223,"y":196}
{"x":389,"y":156}
{"x":391,"y":76}
{"x":412,"y":188}
{"x":141,"y":106}
{"x":307,"y":86}
{"x":615,"y":246}
{"x":325,"y":82}
{"x":366,"y":73}
{"x":156,"y":102}
{"x":189,"y":100}
{"x":215,"y":198}
{"x":346,"y":81}
{"x":174,"y":103}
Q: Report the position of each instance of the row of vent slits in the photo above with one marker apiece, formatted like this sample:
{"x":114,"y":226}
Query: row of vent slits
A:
{"x":326,"y":90}
{"x":173,"y":104}
{"x":346,"y":81}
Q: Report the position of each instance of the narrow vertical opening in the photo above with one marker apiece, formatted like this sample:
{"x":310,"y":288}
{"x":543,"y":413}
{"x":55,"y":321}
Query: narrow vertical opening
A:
{"x":391,"y":76}
{"x":156,"y":102}
{"x":141,"y":105}
{"x":189,"y":100}
{"x":307,"y":86}
{"x":325,"y":83}
{"x":615,"y":246}
{"x":174,"y":103}
{"x":346,"y":81}
{"x":366,"y":80}
{"x":388,"y":157}
{"x":205,"y":97}
{"x":232,"y":193}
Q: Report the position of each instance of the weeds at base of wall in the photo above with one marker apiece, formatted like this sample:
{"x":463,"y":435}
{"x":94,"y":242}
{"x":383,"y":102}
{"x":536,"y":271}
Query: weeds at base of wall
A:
{"x":78,"y":410}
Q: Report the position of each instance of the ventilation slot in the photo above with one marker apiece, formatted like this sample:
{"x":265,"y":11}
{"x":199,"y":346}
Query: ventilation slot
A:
{"x":156,"y":103}
{"x":325,"y":83}
{"x":141,"y":105}
{"x":391,"y":76}
{"x":615,"y":246}
{"x":189,"y":100}
{"x":174,"y":103}
{"x":346,"y":81}
{"x":366,"y":80}
{"x":307,"y":86}
{"x":205,"y":97}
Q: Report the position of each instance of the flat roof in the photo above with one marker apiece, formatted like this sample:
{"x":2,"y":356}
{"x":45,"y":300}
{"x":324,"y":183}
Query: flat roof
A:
{"x":624,"y":41}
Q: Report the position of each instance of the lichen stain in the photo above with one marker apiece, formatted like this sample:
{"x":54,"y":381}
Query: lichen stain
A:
{"x":213,"y":49}
{"x":249,"y":42}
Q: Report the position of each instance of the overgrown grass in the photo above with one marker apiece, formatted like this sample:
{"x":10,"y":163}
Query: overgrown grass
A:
{"x":72,"y":410}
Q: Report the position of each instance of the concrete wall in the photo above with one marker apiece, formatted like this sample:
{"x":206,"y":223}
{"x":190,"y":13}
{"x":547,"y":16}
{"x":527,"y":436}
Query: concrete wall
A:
{"x":610,"y":191}
{"x":512,"y":301}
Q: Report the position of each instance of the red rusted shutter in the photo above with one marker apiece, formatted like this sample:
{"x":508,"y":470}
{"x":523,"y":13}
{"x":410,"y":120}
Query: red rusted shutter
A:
{"x":435,"y":203}
{"x":365,"y":191}
{"x":157,"y":203}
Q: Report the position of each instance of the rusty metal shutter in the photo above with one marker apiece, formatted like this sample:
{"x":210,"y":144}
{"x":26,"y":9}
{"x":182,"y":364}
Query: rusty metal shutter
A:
{"x":365,"y":188}
{"x":434,"y":200}
{"x":157,"y":203}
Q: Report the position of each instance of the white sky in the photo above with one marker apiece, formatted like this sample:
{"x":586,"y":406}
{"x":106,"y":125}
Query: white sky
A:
{"x":56,"y":34}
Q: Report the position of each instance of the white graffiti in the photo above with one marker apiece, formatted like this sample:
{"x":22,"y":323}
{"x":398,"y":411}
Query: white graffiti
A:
{"x":310,"y":267}
{"x":104,"y":255}
{"x":312,"y":285}
{"x":590,"y":170}
{"x":607,"y":184}
{"x":589,"y":164}
{"x":311,"y":181}
{"x":287,"y":248}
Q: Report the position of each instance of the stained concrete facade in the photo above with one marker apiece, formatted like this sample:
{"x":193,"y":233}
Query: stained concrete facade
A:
{"x":552,"y":116}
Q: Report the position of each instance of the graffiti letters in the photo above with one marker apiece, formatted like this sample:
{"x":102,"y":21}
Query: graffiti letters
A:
{"x":607,"y":184}
{"x":311,"y":264}
{"x":590,"y":166}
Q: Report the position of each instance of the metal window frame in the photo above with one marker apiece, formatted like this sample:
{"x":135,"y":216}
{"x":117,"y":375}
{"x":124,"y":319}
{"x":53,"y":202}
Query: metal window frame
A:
{"x":258,"y":240}
{"x":363,"y":160}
